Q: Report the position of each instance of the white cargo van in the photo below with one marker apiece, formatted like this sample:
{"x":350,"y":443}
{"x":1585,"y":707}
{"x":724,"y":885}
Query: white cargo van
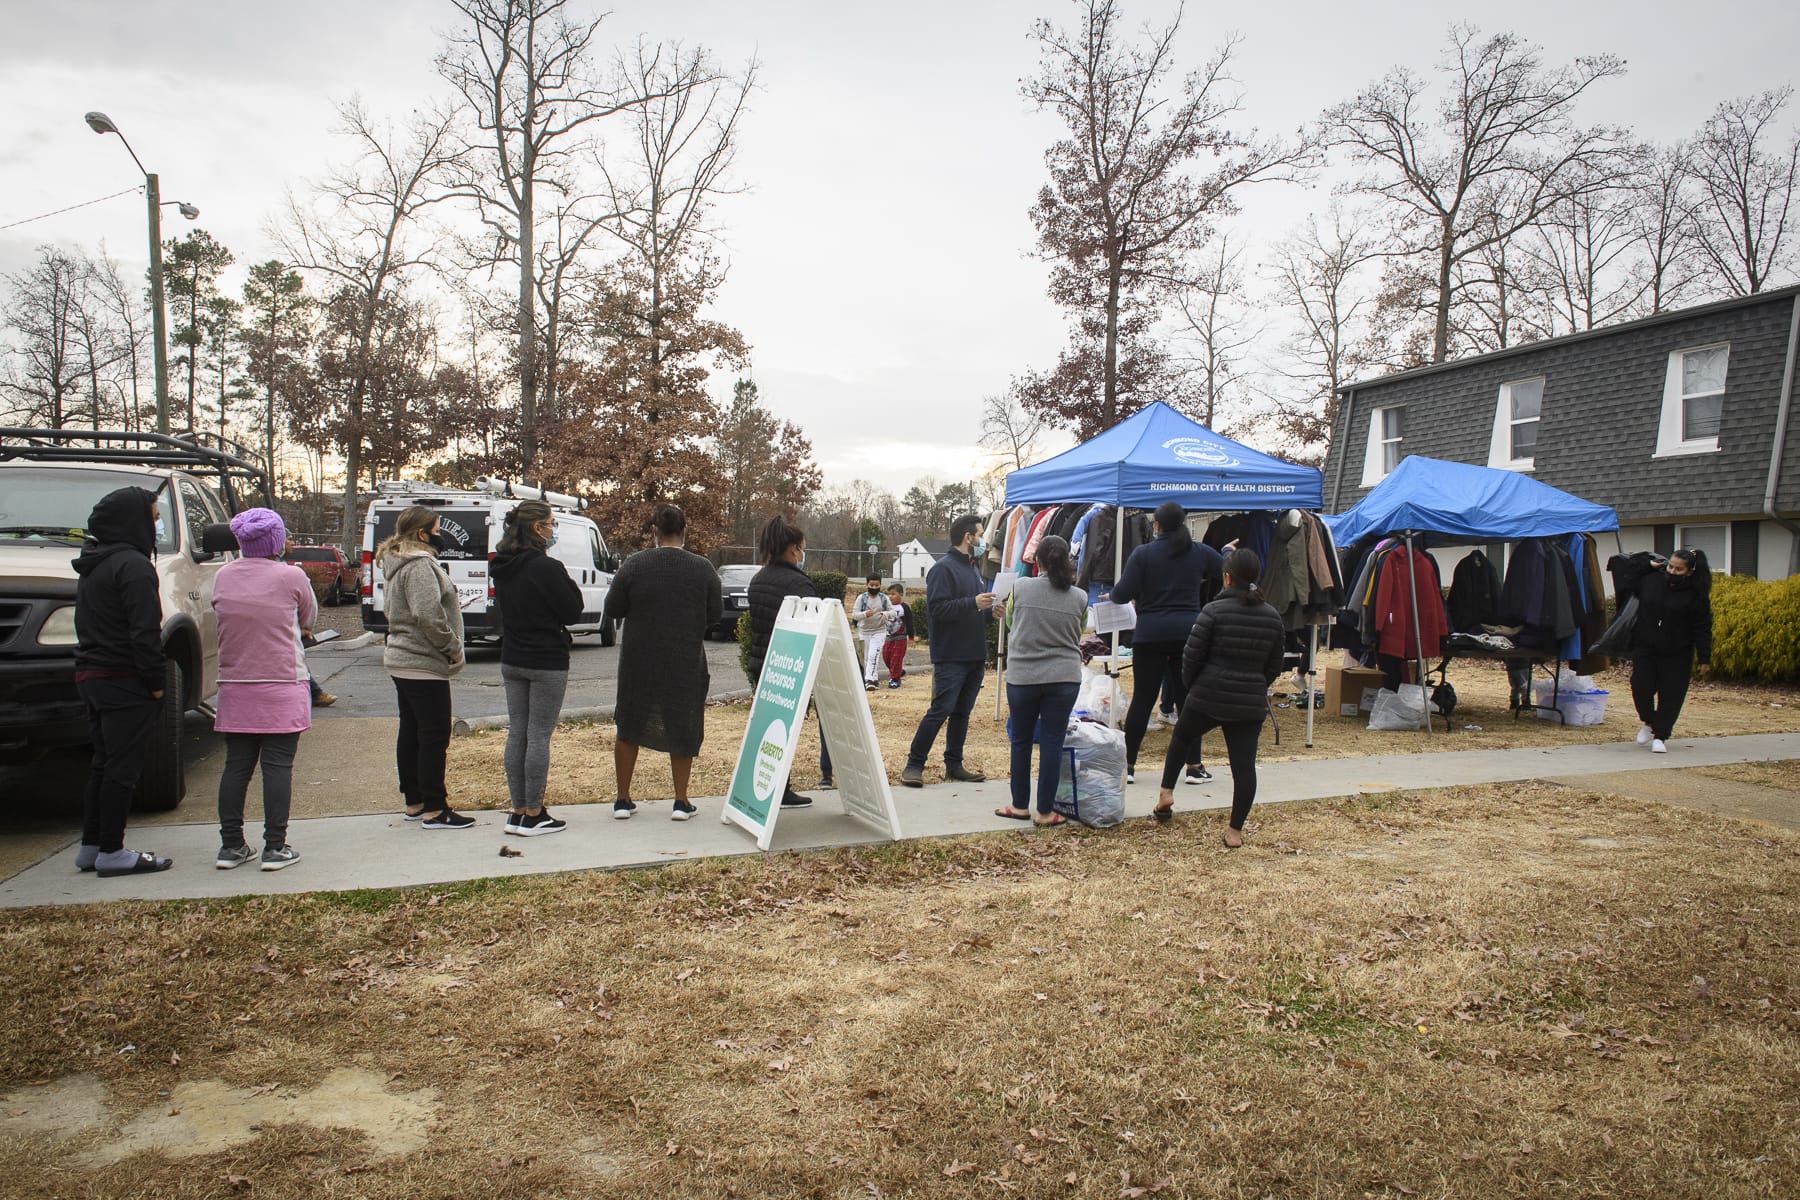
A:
{"x":472,"y":522}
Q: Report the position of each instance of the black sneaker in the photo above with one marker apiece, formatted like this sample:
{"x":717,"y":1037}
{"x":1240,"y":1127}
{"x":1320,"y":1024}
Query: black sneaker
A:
{"x":892,"y":684}
{"x":1199,"y":775}
{"x":279,"y":858}
{"x":512,"y":821}
{"x":537,"y":824}
{"x":684,"y":810}
{"x":868,"y":685}
{"x":448,"y":819}
{"x":622,"y":809}
{"x":793,"y":799}
{"x":826,"y":784}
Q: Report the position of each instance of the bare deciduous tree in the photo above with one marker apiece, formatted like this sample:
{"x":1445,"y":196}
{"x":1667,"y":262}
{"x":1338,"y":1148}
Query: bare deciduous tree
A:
{"x":1133,"y":187}
{"x":358,"y":232}
{"x":1745,"y":175}
{"x":1321,"y":277}
{"x":45,"y":369}
{"x":1010,"y":430}
{"x":1586,"y":258}
{"x":1217,"y":327}
{"x":1663,"y":204}
{"x":1500,"y":150}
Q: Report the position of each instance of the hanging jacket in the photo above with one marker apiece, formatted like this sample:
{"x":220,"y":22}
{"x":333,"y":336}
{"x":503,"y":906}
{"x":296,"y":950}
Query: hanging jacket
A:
{"x":1474,"y":592}
{"x":1394,"y":606}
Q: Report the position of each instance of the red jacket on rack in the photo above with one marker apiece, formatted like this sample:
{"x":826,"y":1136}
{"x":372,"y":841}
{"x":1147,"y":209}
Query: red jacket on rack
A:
{"x":1394,"y":610}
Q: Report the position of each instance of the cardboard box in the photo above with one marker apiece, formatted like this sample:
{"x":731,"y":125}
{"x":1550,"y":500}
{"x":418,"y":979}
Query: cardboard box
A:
{"x":1344,"y":688}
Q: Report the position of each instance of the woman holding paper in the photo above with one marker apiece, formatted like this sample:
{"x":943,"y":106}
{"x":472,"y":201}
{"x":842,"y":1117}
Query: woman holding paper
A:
{"x":1167,"y":578}
{"x":1045,"y":616}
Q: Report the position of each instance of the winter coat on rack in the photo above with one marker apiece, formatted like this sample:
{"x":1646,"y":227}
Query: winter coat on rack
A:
{"x":1394,"y":605}
{"x":1474,"y":593}
{"x":1285,"y":574}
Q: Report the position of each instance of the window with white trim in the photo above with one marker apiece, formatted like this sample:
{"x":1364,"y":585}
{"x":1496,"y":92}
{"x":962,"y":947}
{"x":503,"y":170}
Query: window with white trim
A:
{"x":1693,"y":404}
{"x":1386,"y":426}
{"x":1514,"y":443}
{"x":1713,"y":540}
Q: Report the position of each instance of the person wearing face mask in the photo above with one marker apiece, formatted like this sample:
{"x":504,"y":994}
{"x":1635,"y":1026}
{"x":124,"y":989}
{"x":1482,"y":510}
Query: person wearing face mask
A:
{"x":424,"y":649}
{"x":119,"y":672}
{"x":870,"y":616}
{"x":783,"y":549}
{"x":537,"y":601}
{"x":958,"y":609}
{"x":1674,"y":628}
{"x":668,"y":599}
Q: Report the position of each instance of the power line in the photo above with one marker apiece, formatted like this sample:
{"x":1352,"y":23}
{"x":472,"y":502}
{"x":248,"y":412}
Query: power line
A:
{"x":59,"y":212}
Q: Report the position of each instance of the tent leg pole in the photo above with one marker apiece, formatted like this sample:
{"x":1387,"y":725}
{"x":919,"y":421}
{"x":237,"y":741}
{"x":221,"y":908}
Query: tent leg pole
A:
{"x":1412,"y":579}
{"x":1312,"y":678}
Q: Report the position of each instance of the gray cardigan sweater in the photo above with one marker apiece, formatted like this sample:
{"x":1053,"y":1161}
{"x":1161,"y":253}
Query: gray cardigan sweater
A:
{"x":1044,"y":645}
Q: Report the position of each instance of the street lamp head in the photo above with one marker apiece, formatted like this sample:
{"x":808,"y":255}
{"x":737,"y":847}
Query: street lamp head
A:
{"x":187,"y":210}
{"x":99,"y":122}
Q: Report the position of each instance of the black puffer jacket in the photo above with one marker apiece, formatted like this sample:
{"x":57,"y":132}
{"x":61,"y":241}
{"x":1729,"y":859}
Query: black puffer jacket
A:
{"x":118,"y":604}
{"x":1673,"y":620}
{"x":771,"y":585}
{"x":1232,"y":656}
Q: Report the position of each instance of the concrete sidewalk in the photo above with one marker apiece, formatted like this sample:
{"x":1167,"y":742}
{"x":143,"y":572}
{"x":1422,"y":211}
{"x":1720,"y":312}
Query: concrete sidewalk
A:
{"x":381,"y":851}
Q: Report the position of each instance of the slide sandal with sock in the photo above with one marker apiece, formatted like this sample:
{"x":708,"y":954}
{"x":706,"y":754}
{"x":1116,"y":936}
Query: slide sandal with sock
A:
{"x":145,"y":864}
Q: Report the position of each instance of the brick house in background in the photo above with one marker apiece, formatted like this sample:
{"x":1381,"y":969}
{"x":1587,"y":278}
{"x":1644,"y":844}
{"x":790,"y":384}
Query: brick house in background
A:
{"x":1670,"y":420}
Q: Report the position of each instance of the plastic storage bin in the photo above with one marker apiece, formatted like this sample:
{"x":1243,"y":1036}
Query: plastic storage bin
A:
{"x":1577,"y":708}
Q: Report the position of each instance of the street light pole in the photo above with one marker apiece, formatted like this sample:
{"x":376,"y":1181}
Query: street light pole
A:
{"x":99,"y":122}
{"x":160,"y":332}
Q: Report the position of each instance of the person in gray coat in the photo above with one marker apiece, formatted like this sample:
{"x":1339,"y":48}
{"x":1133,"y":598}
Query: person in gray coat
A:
{"x":668,"y":599}
{"x":424,"y":649}
{"x":1232,"y":656}
{"x":1043,"y":675}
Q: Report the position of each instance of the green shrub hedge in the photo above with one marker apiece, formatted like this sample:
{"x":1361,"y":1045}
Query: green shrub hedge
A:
{"x":1756,"y":628}
{"x":831,"y":584}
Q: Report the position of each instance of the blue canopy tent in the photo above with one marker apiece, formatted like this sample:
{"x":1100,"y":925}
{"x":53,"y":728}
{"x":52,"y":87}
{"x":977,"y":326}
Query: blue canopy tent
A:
{"x":1456,"y":504}
{"x":1431,"y":502}
{"x":1156,"y":455}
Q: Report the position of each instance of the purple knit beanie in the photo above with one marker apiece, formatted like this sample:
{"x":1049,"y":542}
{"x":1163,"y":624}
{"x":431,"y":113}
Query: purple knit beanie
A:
{"x":260,"y":533}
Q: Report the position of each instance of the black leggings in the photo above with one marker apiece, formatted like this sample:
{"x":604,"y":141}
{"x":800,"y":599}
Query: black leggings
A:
{"x":1240,"y":748}
{"x":1155,"y":671}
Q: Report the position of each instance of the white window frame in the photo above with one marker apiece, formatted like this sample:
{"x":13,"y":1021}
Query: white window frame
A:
{"x":1500,"y":445}
{"x":1669,"y":442}
{"x":1375,"y":456}
{"x":1718,"y":566}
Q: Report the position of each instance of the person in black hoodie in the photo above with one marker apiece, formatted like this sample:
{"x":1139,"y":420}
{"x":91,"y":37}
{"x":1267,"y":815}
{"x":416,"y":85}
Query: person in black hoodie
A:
{"x":1231,"y":658}
{"x":537,"y":602}
{"x":1674,"y":627}
{"x":783,"y":548}
{"x":119,"y":672}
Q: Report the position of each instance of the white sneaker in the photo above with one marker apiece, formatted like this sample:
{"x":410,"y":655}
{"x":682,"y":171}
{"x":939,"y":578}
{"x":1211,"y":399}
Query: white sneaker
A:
{"x":1644,"y":735}
{"x":1658,"y":747}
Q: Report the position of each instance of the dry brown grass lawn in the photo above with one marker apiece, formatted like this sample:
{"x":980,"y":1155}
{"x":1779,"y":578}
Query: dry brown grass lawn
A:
{"x":582,"y":772}
{"x":1520,"y":991}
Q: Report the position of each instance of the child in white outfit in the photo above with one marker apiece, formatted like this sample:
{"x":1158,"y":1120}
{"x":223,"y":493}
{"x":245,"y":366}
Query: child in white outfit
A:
{"x":870,"y":616}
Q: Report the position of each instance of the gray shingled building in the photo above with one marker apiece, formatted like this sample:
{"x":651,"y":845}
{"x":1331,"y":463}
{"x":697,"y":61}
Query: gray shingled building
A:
{"x":1673,"y":420}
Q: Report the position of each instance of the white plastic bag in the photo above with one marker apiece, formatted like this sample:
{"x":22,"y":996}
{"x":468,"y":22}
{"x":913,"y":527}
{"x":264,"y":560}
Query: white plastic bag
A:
{"x":1404,"y":709}
{"x":1569,"y":681}
{"x":1092,"y":787}
{"x":1100,"y":699}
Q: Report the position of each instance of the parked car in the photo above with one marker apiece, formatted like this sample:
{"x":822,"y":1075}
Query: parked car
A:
{"x":50,"y":480}
{"x":734,"y":586}
{"x":334,"y":578}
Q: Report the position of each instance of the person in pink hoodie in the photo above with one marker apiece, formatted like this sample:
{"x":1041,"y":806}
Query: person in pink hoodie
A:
{"x":264,"y":607}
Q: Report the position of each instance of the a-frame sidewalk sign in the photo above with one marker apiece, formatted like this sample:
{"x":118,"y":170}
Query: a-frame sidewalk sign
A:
{"x":810,"y":657}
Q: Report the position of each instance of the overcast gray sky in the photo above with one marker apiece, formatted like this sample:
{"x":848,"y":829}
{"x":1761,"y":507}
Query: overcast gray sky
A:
{"x":880,"y":261}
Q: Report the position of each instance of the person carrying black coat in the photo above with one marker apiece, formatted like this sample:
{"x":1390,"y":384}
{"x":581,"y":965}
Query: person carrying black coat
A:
{"x":119,"y":672}
{"x":783,"y":548}
{"x":537,"y":602}
{"x":1231,"y":658}
{"x":1674,"y":628}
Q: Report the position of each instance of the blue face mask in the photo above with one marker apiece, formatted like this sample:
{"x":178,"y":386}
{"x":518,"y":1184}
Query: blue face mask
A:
{"x":802,"y":563}
{"x":551,"y":540}
{"x":978,"y":549}
{"x":159,"y":530}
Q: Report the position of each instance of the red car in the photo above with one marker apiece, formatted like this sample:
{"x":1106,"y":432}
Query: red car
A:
{"x":335,"y":579}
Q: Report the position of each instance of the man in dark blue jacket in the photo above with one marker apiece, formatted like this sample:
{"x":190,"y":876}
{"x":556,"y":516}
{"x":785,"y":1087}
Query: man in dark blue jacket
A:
{"x":958,"y":609}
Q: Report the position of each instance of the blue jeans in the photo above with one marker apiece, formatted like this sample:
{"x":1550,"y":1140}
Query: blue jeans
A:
{"x":954,"y":686}
{"x":1030,"y":703}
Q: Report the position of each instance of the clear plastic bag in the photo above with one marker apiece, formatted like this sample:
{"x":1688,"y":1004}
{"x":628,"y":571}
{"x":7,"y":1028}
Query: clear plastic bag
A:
{"x":1404,"y":709}
{"x":1092,"y":787}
